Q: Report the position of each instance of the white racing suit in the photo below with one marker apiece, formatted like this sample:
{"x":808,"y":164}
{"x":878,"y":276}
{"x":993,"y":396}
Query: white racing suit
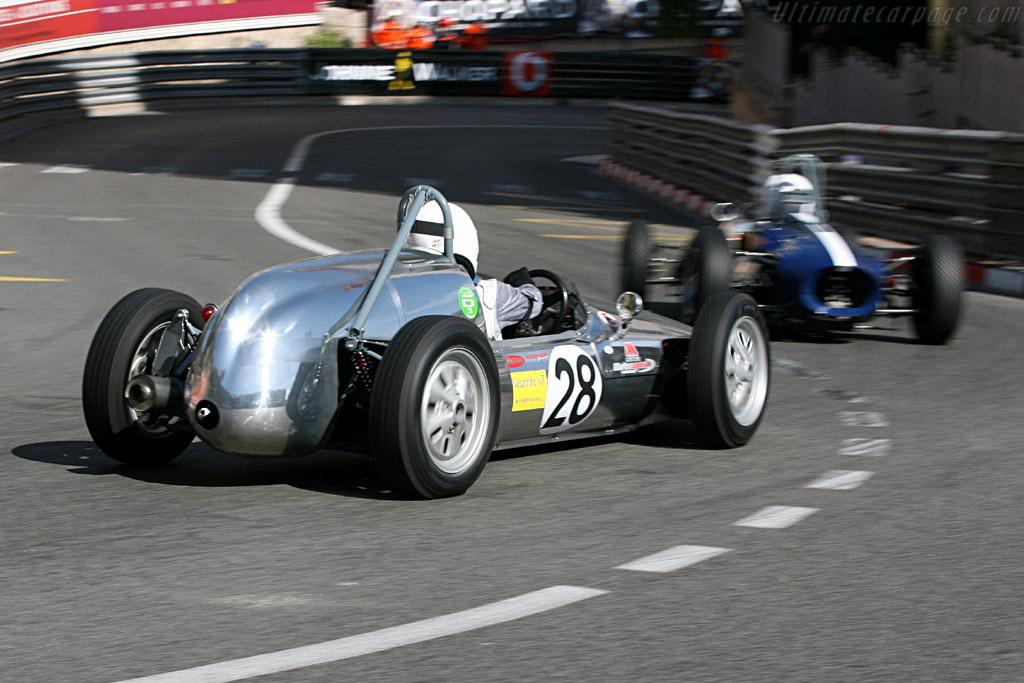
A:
{"x":505,"y":305}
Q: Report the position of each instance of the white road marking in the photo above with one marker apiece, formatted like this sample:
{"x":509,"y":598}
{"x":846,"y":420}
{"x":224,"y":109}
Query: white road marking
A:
{"x":98,"y":219}
{"x":334,"y":177}
{"x":378,"y":641}
{"x":863,"y":419}
{"x":297,"y":159}
{"x":247,"y":173}
{"x":157,"y":170}
{"x":586,"y":159}
{"x":872,"y":447}
{"x":597,"y":194}
{"x":433,"y":182}
{"x":268,"y":215}
{"x":517,"y":189}
{"x":776,"y":517}
{"x":840,"y":480}
{"x":674,"y":558}
{"x":8,"y":164}
{"x":796,"y":369}
{"x":66,"y":168}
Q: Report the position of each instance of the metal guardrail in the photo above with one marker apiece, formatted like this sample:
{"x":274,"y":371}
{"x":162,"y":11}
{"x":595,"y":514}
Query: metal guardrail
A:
{"x":65,"y":87}
{"x":895,"y":181}
{"x":680,"y":148}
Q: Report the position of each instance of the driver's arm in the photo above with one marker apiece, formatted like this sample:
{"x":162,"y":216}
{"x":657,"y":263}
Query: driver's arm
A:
{"x":518,"y":298}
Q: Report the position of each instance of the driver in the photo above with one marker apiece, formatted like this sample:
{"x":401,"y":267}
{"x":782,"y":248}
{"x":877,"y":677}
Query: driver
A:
{"x":504,"y":303}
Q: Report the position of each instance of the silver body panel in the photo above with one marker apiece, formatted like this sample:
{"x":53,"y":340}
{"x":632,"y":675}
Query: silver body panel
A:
{"x":269,"y":358}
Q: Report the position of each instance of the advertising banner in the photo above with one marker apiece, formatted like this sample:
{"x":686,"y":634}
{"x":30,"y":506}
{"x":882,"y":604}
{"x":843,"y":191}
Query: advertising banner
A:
{"x":36,"y":21}
{"x":25,"y":21}
{"x":116,"y":15}
{"x":405,"y":72}
{"x":511,"y":20}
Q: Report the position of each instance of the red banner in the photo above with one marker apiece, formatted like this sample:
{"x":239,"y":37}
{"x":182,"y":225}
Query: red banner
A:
{"x":116,"y":15}
{"x":35,"y":22}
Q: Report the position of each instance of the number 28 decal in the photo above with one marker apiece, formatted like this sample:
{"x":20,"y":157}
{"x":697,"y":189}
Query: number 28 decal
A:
{"x":574,"y":389}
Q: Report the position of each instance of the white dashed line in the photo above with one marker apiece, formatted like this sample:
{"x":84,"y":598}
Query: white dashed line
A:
{"x":66,"y":168}
{"x":776,"y":517}
{"x":863,"y":419}
{"x":378,"y":641}
{"x":870,"y":447}
{"x":673,"y":559}
{"x":840,"y":480}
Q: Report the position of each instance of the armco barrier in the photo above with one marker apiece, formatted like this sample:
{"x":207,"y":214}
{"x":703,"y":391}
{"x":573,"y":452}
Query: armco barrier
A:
{"x":66,"y":87}
{"x":894,"y":181}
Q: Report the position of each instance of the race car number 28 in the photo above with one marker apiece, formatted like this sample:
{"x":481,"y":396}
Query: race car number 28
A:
{"x":574,"y":389}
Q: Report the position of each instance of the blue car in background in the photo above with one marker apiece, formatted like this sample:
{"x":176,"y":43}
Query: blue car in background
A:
{"x":804,"y":274}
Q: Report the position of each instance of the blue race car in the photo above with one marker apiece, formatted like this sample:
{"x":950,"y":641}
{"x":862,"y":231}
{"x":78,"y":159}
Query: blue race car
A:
{"x":800,"y":269}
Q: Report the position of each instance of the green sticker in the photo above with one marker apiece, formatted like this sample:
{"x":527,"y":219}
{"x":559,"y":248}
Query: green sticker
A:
{"x":467,"y":302}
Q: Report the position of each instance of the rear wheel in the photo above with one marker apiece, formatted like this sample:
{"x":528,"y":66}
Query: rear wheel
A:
{"x":729,"y":370}
{"x":124,"y":347}
{"x":434,"y":408}
{"x":706,"y":268}
{"x":636,"y":258}
{"x":939,"y":277}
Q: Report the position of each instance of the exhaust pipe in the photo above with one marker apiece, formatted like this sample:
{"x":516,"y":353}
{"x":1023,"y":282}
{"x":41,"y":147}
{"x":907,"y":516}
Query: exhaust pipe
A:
{"x":161,"y":395}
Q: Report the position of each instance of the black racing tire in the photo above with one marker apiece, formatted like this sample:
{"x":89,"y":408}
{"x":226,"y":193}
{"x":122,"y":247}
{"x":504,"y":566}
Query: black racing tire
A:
{"x":426,"y":439}
{"x":730,"y":343}
{"x":706,"y":269}
{"x":636,"y":259}
{"x":118,"y":350}
{"x":940,"y":278}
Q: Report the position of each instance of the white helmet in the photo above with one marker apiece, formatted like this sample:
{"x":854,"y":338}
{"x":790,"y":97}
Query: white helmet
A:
{"x":789,"y":193}
{"x":428,"y":234}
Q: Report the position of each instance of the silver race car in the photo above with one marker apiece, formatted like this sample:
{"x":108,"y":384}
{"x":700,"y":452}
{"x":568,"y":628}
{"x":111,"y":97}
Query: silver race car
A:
{"x":387,"y":349}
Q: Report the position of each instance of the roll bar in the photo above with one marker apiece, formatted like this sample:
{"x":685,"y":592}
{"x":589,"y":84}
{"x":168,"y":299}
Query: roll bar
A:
{"x":408,"y":208}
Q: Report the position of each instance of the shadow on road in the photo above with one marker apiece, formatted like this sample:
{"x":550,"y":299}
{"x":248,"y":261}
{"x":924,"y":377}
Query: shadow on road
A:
{"x":332,"y":472}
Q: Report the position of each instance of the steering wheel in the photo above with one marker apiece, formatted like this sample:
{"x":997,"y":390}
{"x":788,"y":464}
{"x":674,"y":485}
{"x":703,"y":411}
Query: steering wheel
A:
{"x":556,"y":303}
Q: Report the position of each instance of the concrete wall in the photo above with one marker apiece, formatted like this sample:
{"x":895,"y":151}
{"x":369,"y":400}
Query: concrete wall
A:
{"x":982,"y":87}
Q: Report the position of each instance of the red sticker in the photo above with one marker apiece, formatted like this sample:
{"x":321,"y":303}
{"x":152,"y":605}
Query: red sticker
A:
{"x":514,"y":361}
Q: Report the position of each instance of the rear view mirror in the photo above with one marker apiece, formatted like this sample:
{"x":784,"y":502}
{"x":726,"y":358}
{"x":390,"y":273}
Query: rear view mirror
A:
{"x":724,"y":211}
{"x":629,"y":305}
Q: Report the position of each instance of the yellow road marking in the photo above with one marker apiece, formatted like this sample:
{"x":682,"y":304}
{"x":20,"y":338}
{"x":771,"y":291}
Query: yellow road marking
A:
{"x":8,"y":252}
{"x":668,"y":238}
{"x":576,"y":222}
{"x":8,"y":278}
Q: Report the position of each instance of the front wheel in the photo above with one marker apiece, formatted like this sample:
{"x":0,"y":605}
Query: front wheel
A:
{"x":705,"y":269}
{"x":729,"y":370}
{"x":939,"y":277}
{"x":434,"y":408}
{"x":636,"y":259}
{"x":124,"y":347}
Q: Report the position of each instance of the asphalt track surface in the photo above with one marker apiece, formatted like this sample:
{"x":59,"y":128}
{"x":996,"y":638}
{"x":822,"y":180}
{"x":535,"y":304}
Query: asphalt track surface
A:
{"x":870,"y":531}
